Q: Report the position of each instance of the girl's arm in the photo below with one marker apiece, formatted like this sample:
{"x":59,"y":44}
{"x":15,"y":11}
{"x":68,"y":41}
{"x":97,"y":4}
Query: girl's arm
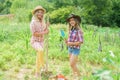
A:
{"x":46,"y":31}
{"x":79,"y":42}
{"x":80,"y":39}
{"x":73,"y":43}
{"x":38,"y":34}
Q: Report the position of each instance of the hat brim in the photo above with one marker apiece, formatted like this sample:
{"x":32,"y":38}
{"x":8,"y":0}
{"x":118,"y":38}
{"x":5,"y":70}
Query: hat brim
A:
{"x":76,"y":17}
{"x":33,"y":12}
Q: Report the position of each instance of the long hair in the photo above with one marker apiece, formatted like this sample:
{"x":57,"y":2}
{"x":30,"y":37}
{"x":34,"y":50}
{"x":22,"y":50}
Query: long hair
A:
{"x":77,"y":25}
{"x":35,"y":18}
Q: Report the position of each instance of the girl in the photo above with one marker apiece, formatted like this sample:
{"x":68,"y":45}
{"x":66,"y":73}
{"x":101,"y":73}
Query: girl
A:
{"x":74,"y":41}
{"x":38,"y":29}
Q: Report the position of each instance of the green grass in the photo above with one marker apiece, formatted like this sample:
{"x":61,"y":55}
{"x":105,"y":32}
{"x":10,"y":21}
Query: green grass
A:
{"x":16,"y":52}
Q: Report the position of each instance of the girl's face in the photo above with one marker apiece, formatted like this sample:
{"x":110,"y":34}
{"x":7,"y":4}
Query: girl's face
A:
{"x":72,"y":22}
{"x":40,"y":14}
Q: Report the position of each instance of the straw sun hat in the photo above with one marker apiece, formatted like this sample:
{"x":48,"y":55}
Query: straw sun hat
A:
{"x":38,"y":8}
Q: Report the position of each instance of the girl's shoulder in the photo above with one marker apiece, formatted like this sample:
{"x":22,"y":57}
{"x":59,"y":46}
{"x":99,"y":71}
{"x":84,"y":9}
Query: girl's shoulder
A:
{"x":32,"y":22}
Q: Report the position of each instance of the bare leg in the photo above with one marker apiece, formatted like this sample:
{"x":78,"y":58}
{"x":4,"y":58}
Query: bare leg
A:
{"x":70,"y":56}
{"x":73,"y":64}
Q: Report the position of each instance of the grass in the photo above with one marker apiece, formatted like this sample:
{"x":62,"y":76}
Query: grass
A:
{"x":16,"y":53}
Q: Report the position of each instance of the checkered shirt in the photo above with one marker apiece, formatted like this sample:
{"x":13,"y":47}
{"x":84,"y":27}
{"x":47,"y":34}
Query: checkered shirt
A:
{"x":75,"y":36}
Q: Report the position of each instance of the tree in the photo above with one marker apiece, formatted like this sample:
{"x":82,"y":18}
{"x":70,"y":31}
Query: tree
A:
{"x":115,"y":14}
{"x":60,"y":15}
{"x":98,"y":11}
{"x":5,"y":6}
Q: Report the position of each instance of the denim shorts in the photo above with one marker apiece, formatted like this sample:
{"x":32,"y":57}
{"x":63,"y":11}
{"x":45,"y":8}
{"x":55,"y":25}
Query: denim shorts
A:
{"x":74,"y":51}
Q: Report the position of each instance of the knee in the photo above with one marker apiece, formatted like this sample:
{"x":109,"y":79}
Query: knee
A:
{"x":72,"y":64}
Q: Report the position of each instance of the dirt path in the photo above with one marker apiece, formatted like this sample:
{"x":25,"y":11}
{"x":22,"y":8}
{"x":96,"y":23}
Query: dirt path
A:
{"x":28,"y":73}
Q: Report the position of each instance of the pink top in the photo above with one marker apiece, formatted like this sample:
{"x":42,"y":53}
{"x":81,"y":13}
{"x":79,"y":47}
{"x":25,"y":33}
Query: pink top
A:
{"x":37,"y":26}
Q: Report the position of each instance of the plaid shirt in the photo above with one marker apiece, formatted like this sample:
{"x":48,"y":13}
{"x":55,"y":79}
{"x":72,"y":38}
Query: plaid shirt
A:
{"x":75,"y":36}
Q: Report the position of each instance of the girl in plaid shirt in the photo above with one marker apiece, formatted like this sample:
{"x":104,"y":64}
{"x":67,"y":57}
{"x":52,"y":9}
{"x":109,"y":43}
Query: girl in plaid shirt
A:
{"x":74,"y":41}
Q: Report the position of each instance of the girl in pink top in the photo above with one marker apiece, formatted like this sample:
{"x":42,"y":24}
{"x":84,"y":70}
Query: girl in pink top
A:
{"x":38,"y":29}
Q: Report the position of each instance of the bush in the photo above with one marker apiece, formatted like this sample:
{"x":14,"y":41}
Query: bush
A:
{"x":5,"y":6}
{"x":114,"y":18}
{"x":60,"y":15}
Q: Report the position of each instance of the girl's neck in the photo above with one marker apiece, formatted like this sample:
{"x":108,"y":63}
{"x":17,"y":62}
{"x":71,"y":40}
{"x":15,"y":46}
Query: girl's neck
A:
{"x":73,"y":28}
{"x":40,"y":19}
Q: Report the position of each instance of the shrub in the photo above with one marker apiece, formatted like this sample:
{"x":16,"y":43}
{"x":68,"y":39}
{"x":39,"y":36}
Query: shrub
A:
{"x":60,"y":14}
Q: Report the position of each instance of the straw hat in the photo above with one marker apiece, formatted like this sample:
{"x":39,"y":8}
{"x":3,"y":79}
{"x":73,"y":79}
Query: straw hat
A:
{"x":74,"y":16}
{"x":38,"y":8}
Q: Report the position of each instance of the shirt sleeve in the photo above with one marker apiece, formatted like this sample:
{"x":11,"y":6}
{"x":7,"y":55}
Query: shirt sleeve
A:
{"x":80,"y":36}
{"x":32,"y":27}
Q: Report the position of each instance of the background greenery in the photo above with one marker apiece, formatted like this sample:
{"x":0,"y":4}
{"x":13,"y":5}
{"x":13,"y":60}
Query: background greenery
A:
{"x":99,"y":58}
{"x":17,"y":57}
{"x":97,"y":12}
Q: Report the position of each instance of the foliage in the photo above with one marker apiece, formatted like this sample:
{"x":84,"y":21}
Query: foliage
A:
{"x":5,"y":8}
{"x":17,"y":51}
{"x":97,"y":11}
{"x":60,"y":15}
{"x":100,"y":12}
{"x":115,"y":14}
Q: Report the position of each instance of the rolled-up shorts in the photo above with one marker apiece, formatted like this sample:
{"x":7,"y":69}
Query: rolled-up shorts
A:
{"x":73,"y":51}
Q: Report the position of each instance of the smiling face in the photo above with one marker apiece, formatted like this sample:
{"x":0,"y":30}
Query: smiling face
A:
{"x":72,"y":22}
{"x":39,"y":14}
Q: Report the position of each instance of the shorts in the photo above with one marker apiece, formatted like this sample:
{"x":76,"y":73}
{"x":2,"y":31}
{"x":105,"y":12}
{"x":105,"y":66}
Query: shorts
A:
{"x":74,"y":51}
{"x":37,"y":45}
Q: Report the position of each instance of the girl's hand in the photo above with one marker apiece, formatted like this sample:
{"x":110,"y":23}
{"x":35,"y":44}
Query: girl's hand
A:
{"x":69,"y":43}
{"x":74,"y":43}
{"x":65,"y":41}
{"x":46,"y":31}
{"x":37,"y":34}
